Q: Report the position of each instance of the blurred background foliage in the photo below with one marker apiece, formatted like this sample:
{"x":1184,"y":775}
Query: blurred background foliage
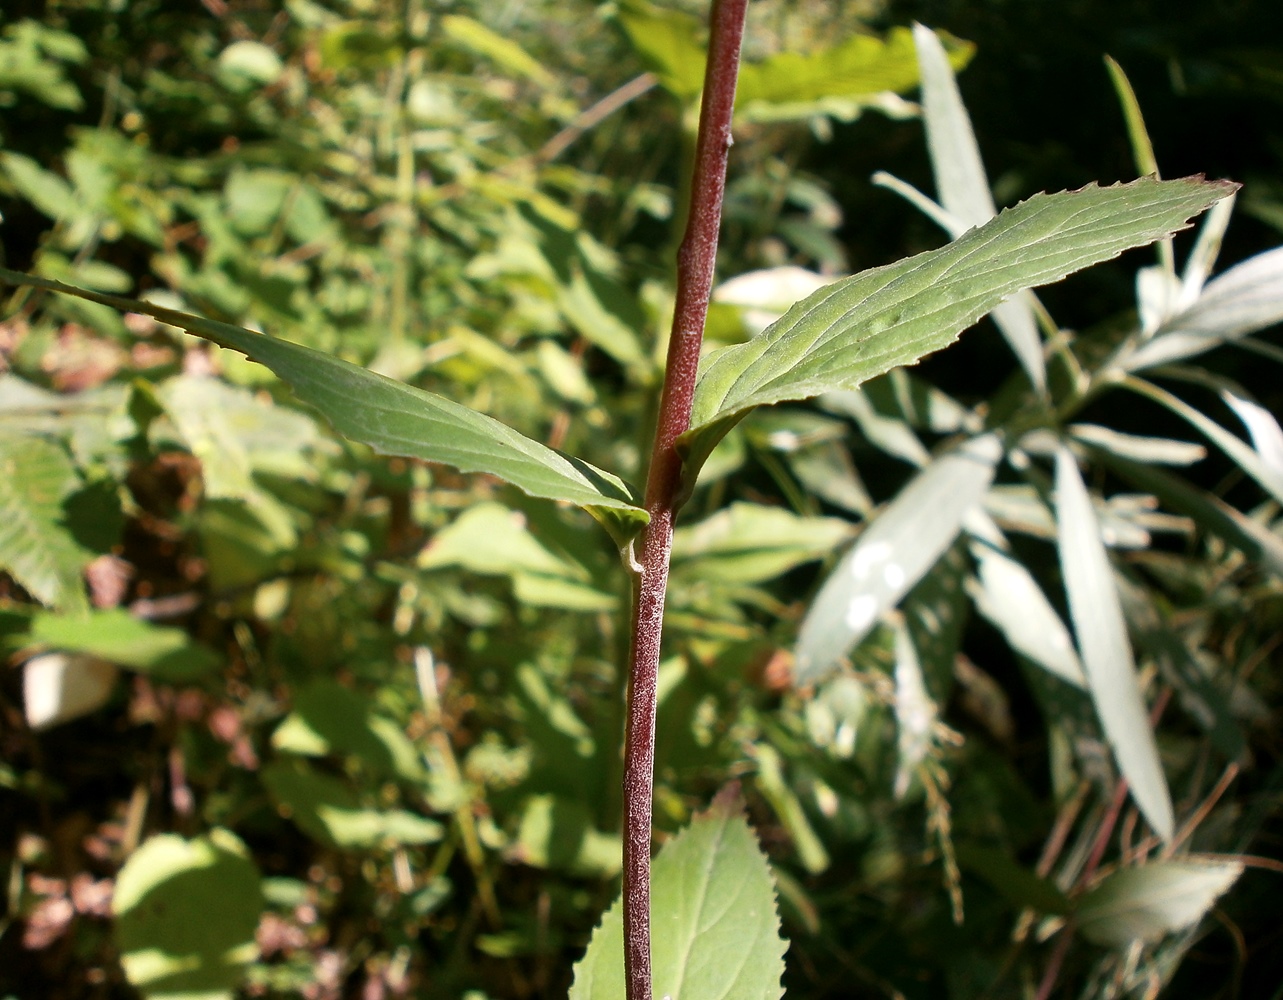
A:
{"x":357,"y":720}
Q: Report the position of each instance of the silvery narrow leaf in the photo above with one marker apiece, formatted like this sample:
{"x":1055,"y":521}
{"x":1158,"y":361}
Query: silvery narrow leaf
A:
{"x":899,"y":546}
{"x":1151,"y":450}
{"x":915,"y":712}
{"x":1148,"y":902}
{"x":59,"y":687}
{"x":1020,"y":508}
{"x":955,"y":155}
{"x":1106,"y":653}
{"x":1007,"y":595}
{"x":1264,"y":430}
{"x":950,"y":223}
{"x":1243,"y":455}
{"x":1246,"y":298}
{"x":1158,"y":294}
{"x":893,"y":436}
{"x":1198,"y":268}
{"x":964,"y":187}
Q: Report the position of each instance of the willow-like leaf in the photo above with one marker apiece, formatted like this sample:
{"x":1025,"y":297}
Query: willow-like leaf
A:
{"x":889,"y":316}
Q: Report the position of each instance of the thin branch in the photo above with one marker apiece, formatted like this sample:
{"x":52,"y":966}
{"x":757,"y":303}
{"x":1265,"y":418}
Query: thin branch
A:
{"x":696,"y":260}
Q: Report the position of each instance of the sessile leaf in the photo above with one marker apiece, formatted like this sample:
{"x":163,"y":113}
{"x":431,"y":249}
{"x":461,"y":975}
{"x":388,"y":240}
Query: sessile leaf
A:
{"x":855,"y":329}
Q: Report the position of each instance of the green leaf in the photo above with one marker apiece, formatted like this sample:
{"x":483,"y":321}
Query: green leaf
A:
{"x":1102,"y":642}
{"x":504,"y":52}
{"x":558,"y":833}
{"x":916,"y":713}
{"x":186,"y":912}
{"x":840,"y":80}
{"x":398,"y":419}
{"x":327,"y":810}
{"x":715,"y":929}
{"x":863,"y":326}
{"x":44,"y":189}
{"x":36,"y":547}
{"x":117,"y":636}
{"x":783,"y":797}
{"x":750,"y":543}
{"x":964,"y":187}
{"x":669,"y":43}
{"x":490,"y":538}
{"x":1147,"y":902}
{"x":904,"y":541}
{"x":328,"y":718}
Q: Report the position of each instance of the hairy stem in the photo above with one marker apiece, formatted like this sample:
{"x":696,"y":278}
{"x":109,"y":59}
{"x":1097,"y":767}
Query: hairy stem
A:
{"x":696,"y":260}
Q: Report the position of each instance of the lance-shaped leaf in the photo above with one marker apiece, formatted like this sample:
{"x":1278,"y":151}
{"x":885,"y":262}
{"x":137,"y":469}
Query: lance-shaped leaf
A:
{"x":901,"y":544}
{"x":1008,"y":595}
{"x":1263,"y":467}
{"x":716,"y":933}
{"x":398,"y":419}
{"x":964,"y":187}
{"x":1246,"y":298}
{"x":1145,"y":903}
{"x":1102,"y":642}
{"x":863,"y":326}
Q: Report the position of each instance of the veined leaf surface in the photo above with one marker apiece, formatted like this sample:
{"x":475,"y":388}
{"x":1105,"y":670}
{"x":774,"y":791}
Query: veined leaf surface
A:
{"x":716,"y":930}
{"x":398,"y":419}
{"x":889,"y":316}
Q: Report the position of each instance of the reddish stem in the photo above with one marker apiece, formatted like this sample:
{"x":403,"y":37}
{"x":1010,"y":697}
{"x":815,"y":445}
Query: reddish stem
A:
{"x":696,"y":260}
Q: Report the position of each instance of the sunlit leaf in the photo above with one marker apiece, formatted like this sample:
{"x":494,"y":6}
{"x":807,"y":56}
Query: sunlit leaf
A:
{"x":185,"y":915}
{"x":715,"y":930}
{"x":1102,"y":642}
{"x":328,"y":718}
{"x":899,"y":546}
{"x":116,"y":635}
{"x":1147,"y":902}
{"x":398,"y":419}
{"x":503,"y":51}
{"x":558,"y":833}
{"x":915,"y":711}
{"x":863,"y":326}
{"x":783,"y":797}
{"x":840,"y":80}
{"x":327,"y":810}
{"x":490,"y":538}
